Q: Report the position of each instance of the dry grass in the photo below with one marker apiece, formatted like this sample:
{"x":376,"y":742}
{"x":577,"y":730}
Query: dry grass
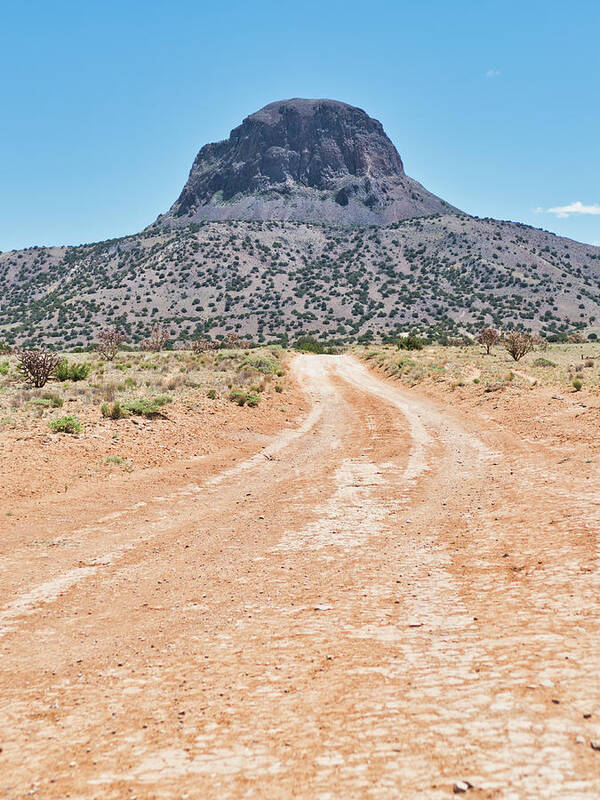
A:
{"x":184,"y":375}
{"x":557,"y":365}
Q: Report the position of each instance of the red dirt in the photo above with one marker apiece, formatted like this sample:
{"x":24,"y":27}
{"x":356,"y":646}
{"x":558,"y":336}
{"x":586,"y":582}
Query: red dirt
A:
{"x":396,"y":594}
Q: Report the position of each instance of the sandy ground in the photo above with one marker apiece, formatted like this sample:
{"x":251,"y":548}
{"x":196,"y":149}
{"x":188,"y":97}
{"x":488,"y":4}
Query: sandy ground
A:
{"x":392,"y":596}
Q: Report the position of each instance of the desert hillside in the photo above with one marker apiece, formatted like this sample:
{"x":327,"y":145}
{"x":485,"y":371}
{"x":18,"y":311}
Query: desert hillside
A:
{"x":437,"y":274}
{"x":303,"y":221}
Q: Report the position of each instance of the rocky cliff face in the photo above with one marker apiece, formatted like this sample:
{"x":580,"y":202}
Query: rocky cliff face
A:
{"x":305,"y":160}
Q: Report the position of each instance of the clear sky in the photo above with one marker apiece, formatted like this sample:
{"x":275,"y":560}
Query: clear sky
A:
{"x":495,"y":106}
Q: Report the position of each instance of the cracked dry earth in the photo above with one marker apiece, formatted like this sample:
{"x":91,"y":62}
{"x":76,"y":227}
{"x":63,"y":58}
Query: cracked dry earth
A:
{"x":385,"y":601}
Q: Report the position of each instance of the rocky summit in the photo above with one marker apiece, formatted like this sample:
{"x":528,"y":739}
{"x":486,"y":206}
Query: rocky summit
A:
{"x":308,"y":161}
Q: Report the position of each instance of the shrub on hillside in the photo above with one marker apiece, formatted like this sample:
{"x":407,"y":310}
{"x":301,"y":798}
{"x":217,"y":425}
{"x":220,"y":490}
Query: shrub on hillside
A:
{"x":68,"y":424}
{"x":244,"y":398}
{"x":71,"y":372}
{"x":260,"y":364}
{"x":308,"y":344}
{"x":113,"y":410}
{"x":148,"y":406}
{"x":49,"y":400}
{"x":410,"y":342}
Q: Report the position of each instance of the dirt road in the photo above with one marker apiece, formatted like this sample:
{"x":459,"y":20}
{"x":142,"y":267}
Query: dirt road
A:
{"x":384,"y":601}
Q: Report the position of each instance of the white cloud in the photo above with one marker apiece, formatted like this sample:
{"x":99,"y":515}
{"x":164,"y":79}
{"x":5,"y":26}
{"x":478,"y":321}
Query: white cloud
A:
{"x":572,"y":208}
{"x":492,"y":73}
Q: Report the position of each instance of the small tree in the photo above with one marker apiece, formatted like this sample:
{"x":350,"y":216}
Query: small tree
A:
{"x":158,"y":338}
{"x":37,"y":365}
{"x":109,"y":341}
{"x":517,"y":344}
{"x":410,"y":342}
{"x":488,"y":337}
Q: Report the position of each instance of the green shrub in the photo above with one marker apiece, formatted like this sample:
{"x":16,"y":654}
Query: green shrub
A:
{"x":577,"y":384}
{"x":68,"y":424}
{"x":543,"y":362}
{"x":48,"y":400}
{"x":238,"y":396}
{"x":113,"y":410}
{"x":308,"y":344}
{"x":148,"y":406}
{"x":260,"y":364}
{"x":409,"y":342}
{"x":244,"y":398}
{"x":278,"y":388}
{"x":211,"y":394}
{"x":71,"y":372}
{"x":4,"y":367}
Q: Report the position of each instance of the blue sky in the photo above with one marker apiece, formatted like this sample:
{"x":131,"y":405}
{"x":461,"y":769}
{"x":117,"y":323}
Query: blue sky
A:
{"x":492,"y":105}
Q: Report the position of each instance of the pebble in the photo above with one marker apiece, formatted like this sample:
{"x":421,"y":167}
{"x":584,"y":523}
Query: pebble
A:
{"x":595,"y":744}
{"x":460,"y":787}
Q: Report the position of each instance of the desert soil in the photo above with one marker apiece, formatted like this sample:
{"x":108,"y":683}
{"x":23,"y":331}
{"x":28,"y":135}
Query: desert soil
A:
{"x":392,"y":595}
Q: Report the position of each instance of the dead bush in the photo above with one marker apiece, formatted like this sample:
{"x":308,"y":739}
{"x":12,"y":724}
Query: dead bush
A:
{"x":173,"y":382}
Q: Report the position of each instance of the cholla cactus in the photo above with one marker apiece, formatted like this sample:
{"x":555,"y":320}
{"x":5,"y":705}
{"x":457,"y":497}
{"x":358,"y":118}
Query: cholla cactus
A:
{"x":158,"y":338}
{"x":109,"y":340}
{"x":37,"y":365}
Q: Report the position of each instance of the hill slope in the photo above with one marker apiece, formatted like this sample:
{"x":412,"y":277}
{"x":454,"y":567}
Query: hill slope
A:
{"x":438,"y":273}
{"x":303,"y":221}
